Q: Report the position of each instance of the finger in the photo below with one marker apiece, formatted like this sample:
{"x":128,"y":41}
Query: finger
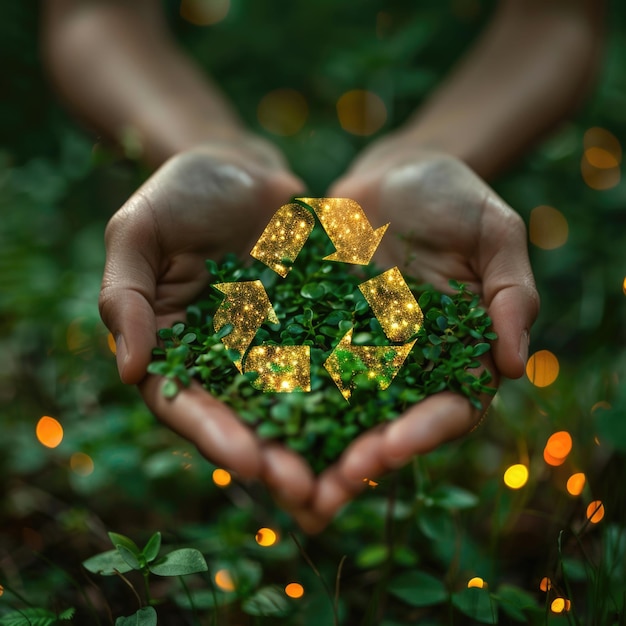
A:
{"x":508,"y":285}
{"x":287,"y":476}
{"x":426,"y":425}
{"x":128,"y":292}
{"x":211,"y":426}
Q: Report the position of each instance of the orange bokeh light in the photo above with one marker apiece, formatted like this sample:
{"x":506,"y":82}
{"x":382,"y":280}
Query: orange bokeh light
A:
{"x":294,"y":590}
{"x":595,"y":511}
{"x":576,"y":483}
{"x":545,"y":584}
{"x":361,"y":112}
{"x":266,"y":537}
{"x":221,"y":477}
{"x":559,"y":444}
{"x":542,"y":368}
{"x":224,"y":580}
{"x":111,"y":343}
{"x":49,"y":432}
{"x":547,"y":228}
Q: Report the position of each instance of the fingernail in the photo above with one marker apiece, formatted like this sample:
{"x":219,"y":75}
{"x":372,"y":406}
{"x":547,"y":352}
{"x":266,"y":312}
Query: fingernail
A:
{"x":523,"y":346}
{"x":121,"y":354}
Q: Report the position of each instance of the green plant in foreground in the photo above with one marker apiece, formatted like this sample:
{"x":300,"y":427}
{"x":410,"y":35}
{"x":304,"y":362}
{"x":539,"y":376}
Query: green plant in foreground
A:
{"x":316,"y":305}
{"x":127,"y":557}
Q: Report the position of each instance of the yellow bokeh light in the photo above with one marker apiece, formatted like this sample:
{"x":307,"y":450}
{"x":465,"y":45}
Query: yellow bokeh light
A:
{"x":560,"y":605}
{"x":204,"y":12}
{"x":600,"y":158}
{"x":477,"y":582}
{"x":294,"y":590}
{"x":266,"y":537}
{"x":283,"y":111}
{"x":559,"y":445}
{"x":599,"y":178}
{"x":111,"y":343}
{"x":221,"y":477}
{"x":542,"y":368}
{"x":516,"y":476}
{"x":595,"y":511}
{"x":624,"y":285}
{"x":361,"y":112}
{"x":547,"y":228}
{"x":576,"y":483}
{"x":224,"y":580}
{"x":49,"y":432}
{"x":81,"y":464}
{"x":545,"y":584}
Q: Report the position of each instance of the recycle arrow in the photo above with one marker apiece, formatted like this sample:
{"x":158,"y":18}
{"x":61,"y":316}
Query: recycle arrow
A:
{"x":379,"y":362}
{"x":348,"y":229}
{"x":246,"y":306}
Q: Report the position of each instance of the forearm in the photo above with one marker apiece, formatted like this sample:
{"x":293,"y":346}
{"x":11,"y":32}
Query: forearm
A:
{"x":531,"y":68}
{"x":117,"y":68}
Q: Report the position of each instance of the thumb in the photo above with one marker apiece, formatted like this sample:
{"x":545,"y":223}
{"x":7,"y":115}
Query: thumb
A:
{"x":509,"y":289}
{"x":127,"y":295}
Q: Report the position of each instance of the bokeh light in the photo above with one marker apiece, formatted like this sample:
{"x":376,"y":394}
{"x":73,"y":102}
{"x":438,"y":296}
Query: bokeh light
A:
{"x":81,"y":464}
{"x":547,"y":228}
{"x":204,"y":12}
{"x":576,"y":483}
{"x":111,"y":343}
{"x":600,"y":163}
{"x":545,"y":584}
{"x":370,"y":483}
{"x":559,"y":444}
{"x":361,"y":112}
{"x":1,"y":590}
{"x":224,"y":580}
{"x":221,"y":477}
{"x":294,"y":590}
{"x":560,"y":605}
{"x":477,"y":582}
{"x":283,"y":111}
{"x":516,"y":476}
{"x":624,"y":285}
{"x":595,"y":511}
{"x":266,"y":537}
{"x":542,"y":368}
{"x":49,"y":432}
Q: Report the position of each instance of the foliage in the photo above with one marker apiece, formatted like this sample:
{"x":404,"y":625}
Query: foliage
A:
{"x":446,"y":518}
{"x":317,"y":304}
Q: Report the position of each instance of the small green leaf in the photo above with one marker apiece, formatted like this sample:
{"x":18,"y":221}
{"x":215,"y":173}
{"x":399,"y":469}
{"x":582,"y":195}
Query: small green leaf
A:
{"x":145,"y":616}
{"x":268,"y":601}
{"x":107,"y":564}
{"x":127,"y":542}
{"x":452,"y":497}
{"x":131,"y":558}
{"x":177,"y":329}
{"x":480,"y":349}
{"x":151,"y":549}
{"x":169,"y":388}
{"x":418,"y":588}
{"x":179,"y":563}
{"x":68,"y":614}
{"x":514,"y":601}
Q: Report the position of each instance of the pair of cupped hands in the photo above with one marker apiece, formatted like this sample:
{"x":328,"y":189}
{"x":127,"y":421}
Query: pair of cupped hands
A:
{"x":216,"y":199}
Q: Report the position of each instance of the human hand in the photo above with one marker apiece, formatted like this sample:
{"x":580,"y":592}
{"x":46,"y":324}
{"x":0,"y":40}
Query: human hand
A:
{"x":445,"y":223}
{"x":201,"y":204}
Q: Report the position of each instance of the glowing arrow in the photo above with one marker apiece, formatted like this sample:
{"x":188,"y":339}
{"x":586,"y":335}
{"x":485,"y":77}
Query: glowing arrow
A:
{"x":348,"y":229}
{"x":393,"y":304}
{"x":379,"y":363}
{"x":280,"y":369}
{"x":284,"y":237}
{"x":246,"y":306}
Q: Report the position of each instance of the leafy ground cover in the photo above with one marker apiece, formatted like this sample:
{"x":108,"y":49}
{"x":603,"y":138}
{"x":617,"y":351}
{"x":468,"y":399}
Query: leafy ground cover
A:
{"x":404,"y":552}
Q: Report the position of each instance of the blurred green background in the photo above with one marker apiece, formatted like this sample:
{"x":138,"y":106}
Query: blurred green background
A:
{"x":286,"y":67}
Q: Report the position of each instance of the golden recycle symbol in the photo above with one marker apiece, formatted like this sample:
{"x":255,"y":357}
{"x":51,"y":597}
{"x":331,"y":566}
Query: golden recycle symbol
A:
{"x":246,"y":305}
